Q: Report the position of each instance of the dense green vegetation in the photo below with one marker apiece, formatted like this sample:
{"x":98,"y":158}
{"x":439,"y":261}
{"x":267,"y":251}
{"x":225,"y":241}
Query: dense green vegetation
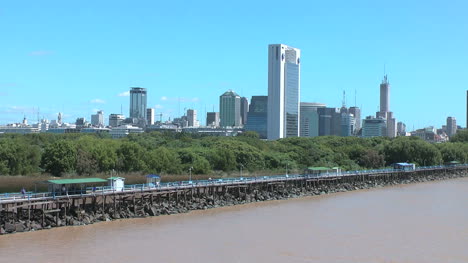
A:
{"x":175,"y":153}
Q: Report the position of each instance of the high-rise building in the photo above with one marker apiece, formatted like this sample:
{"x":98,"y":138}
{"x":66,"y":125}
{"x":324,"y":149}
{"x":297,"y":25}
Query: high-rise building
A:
{"x":283,"y":91}
{"x":384,"y":96}
{"x":401,"y":129}
{"x":59,"y":118}
{"x":115,"y":120}
{"x":97,"y":120}
{"x":329,"y":121}
{"x":138,"y":103}
{"x":212,"y":119}
{"x":80,"y":121}
{"x":451,"y":126}
{"x":229,"y":109}
{"x":310,"y":119}
{"x":347,"y":124}
{"x":391,"y":125}
{"x":356,"y":111}
{"x":244,"y":110}
{"x":257,"y":116}
{"x":374,"y":127}
{"x":150,"y":116}
{"x":385,"y":112}
{"x":192,"y":118}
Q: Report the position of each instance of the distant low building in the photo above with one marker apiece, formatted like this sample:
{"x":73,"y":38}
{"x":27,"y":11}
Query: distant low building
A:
{"x":18,"y":129}
{"x":212,"y":119}
{"x":374,"y":127}
{"x":116,"y":120}
{"x":124,"y":131}
{"x":429,"y":134}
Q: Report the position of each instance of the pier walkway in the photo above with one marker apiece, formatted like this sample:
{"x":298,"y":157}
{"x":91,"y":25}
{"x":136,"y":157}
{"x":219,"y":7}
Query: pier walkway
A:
{"x":387,"y":174}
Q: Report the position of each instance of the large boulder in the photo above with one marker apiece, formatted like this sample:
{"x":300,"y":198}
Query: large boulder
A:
{"x":152,"y":211}
{"x":20,"y":227}
{"x":10,"y":228}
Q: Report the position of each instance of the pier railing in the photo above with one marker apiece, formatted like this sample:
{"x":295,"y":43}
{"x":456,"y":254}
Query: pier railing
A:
{"x":168,"y":186}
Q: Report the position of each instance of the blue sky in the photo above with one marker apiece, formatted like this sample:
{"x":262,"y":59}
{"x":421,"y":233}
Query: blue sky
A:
{"x":79,"y":56}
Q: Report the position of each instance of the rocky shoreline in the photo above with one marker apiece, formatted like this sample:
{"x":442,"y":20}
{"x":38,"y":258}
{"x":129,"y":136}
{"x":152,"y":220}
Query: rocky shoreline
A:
{"x":94,"y":214}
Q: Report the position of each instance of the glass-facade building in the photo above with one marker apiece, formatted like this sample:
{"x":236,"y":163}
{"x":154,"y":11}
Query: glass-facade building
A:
{"x":257,"y":116}
{"x":283,"y":91}
{"x":310,"y":119}
{"x":138,"y":103}
{"x":229,"y":109}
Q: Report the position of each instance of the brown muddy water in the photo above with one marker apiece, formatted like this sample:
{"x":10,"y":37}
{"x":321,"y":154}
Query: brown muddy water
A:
{"x":425,"y":222}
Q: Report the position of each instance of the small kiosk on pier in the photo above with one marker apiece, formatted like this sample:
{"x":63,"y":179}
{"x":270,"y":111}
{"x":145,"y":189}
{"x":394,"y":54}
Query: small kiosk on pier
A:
{"x":116,"y":183}
{"x":153,"y":180}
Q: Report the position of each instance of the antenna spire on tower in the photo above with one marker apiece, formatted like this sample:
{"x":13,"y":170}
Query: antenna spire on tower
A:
{"x":344,"y":99}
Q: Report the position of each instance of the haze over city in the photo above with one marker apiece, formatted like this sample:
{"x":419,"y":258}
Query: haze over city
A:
{"x":78,"y":58}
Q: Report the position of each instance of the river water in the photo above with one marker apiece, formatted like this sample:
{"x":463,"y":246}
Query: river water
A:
{"x":425,"y":222}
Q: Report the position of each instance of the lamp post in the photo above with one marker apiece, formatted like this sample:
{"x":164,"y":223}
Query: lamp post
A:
{"x":241,"y":166}
{"x":190,"y":172}
{"x":287,"y":168}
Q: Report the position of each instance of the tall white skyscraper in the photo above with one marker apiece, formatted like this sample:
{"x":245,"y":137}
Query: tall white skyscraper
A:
{"x":283,"y":91}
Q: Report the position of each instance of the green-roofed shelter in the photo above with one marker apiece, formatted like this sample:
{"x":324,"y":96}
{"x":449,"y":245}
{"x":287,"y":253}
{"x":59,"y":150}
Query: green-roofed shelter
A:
{"x":72,"y":186}
{"x":453,"y":163}
{"x":316,"y":171}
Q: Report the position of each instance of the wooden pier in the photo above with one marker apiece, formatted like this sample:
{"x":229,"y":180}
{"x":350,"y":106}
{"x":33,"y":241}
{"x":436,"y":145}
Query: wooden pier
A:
{"x":37,"y":211}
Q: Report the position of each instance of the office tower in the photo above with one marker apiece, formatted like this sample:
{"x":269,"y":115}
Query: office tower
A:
{"x":329,"y":121}
{"x":97,"y":120}
{"x":138,"y":103}
{"x":229,"y":109}
{"x":80,"y":122}
{"x":374,"y":127}
{"x":257,"y":116}
{"x":384,"y":96}
{"x":59,"y":118}
{"x":347,"y":124}
{"x":357,"y":118}
{"x":385,"y":108}
{"x":116,"y":120}
{"x":310,"y":119}
{"x":391,"y":125}
{"x":451,"y":126}
{"x":244,"y":110}
{"x":150,"y":116}
{"x":212,"y":119}
{"x":283,"y":91}
{"x":401,"y":129}
{"x":192,"y":118}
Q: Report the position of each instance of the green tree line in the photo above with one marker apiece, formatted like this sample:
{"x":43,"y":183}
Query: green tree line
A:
{"x":175,"y":153}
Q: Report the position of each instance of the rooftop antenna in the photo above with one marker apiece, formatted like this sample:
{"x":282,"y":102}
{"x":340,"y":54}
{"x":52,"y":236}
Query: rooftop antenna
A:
{"x":355,"y":97}
{"x":344,"y":99}
{"x":121,"y":109}
{"x":178,"y":112}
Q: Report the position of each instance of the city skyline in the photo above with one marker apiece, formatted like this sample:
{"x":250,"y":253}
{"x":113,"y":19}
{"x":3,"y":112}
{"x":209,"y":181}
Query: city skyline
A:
{"x":77,"y":64}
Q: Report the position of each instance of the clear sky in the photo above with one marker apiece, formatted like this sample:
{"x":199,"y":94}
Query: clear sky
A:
{"x":76,"y":57}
